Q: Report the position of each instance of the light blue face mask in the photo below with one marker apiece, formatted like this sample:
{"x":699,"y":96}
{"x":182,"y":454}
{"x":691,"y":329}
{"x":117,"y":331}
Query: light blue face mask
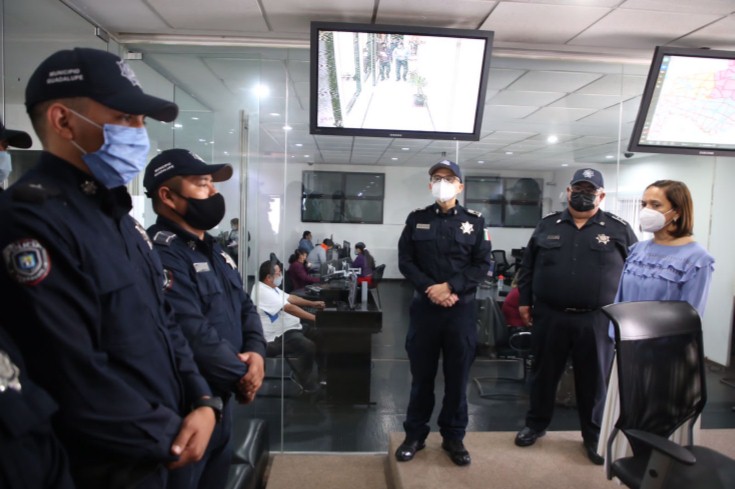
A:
{"x":121,"y":157}
{"x":6,"y":166}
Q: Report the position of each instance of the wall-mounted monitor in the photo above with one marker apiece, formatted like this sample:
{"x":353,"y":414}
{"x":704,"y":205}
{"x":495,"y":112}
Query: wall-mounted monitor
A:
{"x":398,"y":81}
{"x":688,"y":105}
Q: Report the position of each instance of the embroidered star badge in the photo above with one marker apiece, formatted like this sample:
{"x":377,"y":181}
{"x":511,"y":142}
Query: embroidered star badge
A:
{"x":603,"y":239}
{"x":467,"y":228}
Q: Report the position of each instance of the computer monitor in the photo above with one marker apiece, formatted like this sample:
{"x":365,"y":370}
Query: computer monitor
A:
{"x":346,"y":247}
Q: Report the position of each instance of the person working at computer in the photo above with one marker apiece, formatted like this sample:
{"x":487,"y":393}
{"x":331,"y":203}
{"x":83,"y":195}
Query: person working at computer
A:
{"x":319,"y":254}
{"x":445,"y":253}
{"x":510,"y":306}
{"x":297,"y":272}
{"x":305,"y":243}
{"x":363,"y":260}
{"x":281,"y":315}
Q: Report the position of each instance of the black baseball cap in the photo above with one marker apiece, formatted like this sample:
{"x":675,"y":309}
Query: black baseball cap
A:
{"x":588,"y":175}
{"x":450,"y":165}
{"x":99,"y":75}
{"x":17,"y":139}
{"x":180,"y":162}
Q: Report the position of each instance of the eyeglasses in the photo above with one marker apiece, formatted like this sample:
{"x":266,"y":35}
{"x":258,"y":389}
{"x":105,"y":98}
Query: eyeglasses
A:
{"x":585,"y":190}
{"x":447,"y":178}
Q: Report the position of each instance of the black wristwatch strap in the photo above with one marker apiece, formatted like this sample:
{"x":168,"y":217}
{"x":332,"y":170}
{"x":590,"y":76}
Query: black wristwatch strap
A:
{"x":213,"y":402}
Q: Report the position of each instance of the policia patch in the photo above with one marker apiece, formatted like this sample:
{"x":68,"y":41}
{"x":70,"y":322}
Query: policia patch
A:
{"x":27,"y":261}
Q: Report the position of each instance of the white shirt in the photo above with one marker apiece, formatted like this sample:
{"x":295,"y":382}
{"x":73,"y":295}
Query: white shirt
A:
{"x":270,"y":302}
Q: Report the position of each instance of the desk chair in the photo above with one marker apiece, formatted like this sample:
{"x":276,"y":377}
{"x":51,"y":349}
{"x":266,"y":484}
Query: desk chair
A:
{"x":277,"y":381}
{"x":377,"y":277}
{"x":502,"y":266}
{"x":660,"y":361}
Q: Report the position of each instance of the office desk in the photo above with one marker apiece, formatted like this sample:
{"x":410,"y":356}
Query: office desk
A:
{"x":330,"y":292}
{"x":347,"y":342}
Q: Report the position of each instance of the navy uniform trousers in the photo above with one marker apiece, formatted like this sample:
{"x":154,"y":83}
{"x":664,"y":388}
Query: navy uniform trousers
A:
{"x":451,"y":332}
{"x":558,"y":335}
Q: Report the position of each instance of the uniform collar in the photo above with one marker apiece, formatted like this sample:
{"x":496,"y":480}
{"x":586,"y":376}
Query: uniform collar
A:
{"x":115,"y":202}
{"x":192,"y":240}
{"x":598,"y":218}
{"x":438,"y":211}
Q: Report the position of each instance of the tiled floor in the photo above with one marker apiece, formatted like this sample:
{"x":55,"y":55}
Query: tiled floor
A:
{"x":298,"y":425}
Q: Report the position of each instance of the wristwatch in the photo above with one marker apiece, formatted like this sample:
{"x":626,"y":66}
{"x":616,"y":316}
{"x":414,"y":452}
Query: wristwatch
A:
{"x":213,"y":402}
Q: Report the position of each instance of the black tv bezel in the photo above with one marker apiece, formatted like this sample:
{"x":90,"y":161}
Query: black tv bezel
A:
{"x":405,"y":30}
{"x":634,"y":145}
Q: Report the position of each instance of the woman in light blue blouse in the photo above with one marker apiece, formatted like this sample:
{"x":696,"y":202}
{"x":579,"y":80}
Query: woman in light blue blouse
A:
{"x":671,"y":266}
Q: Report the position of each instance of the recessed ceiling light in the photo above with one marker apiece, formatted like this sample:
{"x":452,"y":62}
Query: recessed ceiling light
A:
{"x":261,"y":91}
{"x":509,"y":152}
{"x":275,"y":114}
{"x":306,"y":156}
{"x":287,"y":128}
{"x":201,"y":140}
{"x":211,"y":142}
{"x":226,"y":153}
{"x":553,"y":139}
{"x":394,"y":159}
{"x":405,"y":149}
{"x":481,"y":162}
{"x":609,"y":157}
{"x":298,"y":145}
{"x":195,"y":118}
{"x":178,"y":126}
{"x":565,"y":164}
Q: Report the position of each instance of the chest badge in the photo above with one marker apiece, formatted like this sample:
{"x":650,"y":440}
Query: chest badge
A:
{"x":603,"y":239}
{"x":9,"y":374}
{"x":467,"y":228}
{"x":143,"y":234}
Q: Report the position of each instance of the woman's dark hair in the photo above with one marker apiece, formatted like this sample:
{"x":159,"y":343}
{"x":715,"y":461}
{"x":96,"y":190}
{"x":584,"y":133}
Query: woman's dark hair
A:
{"x":306,"y":233}
{"x":368,"y":257}
{"x":295,"y":256}
{"x":681,"y":201}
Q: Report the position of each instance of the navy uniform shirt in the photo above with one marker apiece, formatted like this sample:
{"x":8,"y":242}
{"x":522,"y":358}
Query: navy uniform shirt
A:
{"x":207,"y":296}
{"x":435,"y":248}
{"x":566,"y":267}
{"x":84,"y":290}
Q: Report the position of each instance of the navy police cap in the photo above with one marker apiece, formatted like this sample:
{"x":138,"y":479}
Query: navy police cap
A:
{"x":180,"y":162}
{"x":99,"y":75}
{"x":450,"y":165}
{"x":590,"y":176}
{"x":17,"y":139}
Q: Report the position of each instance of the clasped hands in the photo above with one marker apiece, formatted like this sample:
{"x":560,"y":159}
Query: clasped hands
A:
{"x":441,"y":295}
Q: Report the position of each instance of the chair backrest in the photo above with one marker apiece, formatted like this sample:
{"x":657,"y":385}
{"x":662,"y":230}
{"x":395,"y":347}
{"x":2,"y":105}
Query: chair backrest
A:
{"x":660,"y":362}
{"x":378,"y":274}
{"x":499,"y":257}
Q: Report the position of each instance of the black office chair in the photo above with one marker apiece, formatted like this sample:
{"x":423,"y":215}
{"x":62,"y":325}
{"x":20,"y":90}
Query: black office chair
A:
{"x":376,"y":278}
{"x":502,"y":266}
{"x":662,"y":387}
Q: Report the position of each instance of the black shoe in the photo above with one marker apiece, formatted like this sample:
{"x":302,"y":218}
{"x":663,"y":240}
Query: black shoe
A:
{"x":591,"y":449}
{"x":457,"y":452}
{"x":528,"y":436}
{"x":408,"y":449}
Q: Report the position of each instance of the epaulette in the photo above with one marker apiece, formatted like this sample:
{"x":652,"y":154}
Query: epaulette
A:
{"x":34,"y":193}
{"x":473,"y":212}
{"x":553,"y":213}
{"x":617,"y":218}
{"x":420,"y":209}
{"x":164,"y":238}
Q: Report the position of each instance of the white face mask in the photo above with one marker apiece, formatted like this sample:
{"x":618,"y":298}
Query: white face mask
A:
{"x":278,"y":280}
{"x":6,"y":165}
{"x":651,"y":220}
{"x":443,"y":191}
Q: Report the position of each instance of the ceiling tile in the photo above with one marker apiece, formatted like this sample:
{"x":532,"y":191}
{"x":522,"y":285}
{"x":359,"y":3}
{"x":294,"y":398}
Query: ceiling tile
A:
{"x":553,"y":81}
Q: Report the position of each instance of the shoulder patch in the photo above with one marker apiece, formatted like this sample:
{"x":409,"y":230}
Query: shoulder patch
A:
{"x":617,"y":218}
{"x":164,"y":238}
{"x":34,"y":193}
{"x":554,"y":213}
{"x":473,"y":212}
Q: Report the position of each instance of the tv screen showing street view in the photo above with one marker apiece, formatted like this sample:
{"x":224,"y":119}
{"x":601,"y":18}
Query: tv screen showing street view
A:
{"x":391,"y":81}
{"x":688,"y":105}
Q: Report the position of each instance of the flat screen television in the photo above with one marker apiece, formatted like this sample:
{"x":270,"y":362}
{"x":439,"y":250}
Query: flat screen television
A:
{"x":688,"y":104}
{"x":398,"y":81}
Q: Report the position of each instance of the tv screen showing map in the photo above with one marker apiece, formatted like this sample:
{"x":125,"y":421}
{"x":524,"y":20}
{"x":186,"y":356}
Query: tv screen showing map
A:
{"x":688,"y":105}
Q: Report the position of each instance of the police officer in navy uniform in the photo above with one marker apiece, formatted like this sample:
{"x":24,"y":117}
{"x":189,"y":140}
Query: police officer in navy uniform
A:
{"x":85,"y":287}
{"x":30,"y":454}
{"x":444,"y":252}
{"x":206,"y":292}
{"x":10,"y":137}
{"x":571,"y":269}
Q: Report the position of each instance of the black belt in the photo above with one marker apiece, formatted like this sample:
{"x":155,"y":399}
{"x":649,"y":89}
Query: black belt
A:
{"x":572,"y":310}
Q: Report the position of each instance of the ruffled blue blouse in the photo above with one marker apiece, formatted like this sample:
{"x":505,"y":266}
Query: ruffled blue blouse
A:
{"x":658,"y":272}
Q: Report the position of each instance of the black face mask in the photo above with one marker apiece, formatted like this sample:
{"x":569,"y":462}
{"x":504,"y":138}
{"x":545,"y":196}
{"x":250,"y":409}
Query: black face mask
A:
{"x":582,"y":202}
{"x":204,"y":214}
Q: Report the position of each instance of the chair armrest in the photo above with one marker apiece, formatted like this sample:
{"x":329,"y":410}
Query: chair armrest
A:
{"x":662,"y":445}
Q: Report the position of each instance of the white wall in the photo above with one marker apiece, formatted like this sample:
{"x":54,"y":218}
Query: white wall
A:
{"x":406,"y":189}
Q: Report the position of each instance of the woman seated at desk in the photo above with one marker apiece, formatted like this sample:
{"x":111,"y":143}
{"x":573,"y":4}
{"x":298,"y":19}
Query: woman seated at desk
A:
{"x":510,"y":306}
{"x":297,"y":272}
{"x":364,"y":261}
